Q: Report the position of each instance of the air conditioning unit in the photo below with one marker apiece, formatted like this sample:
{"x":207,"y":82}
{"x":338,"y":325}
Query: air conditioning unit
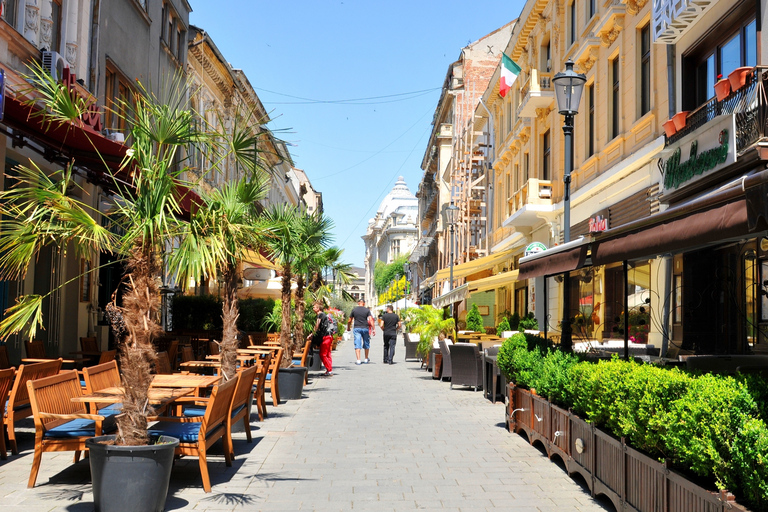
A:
{"x":54,"y":64}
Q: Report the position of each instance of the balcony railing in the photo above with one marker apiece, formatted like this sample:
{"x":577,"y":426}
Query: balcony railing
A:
{"x":533,"y":192}
{"x":749,"y":104}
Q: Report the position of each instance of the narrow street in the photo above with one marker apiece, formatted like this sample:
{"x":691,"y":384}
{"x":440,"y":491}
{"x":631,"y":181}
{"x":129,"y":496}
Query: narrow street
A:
{"x":372,"y":437}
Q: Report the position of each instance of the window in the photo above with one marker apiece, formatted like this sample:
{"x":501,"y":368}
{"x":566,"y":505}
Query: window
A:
{"x":645,"y":69}
{"x":546,"y":57}
{"x":590,"y":120}
{"x":395,"y":249}
{"x":545,"y":156}
{"x":526,"y":168}
{"x":591,"y":8}
{"x":729,"y":45}
{"x":615,"y":97}
{"x":56,"y":28}
{"x":117,"y":97}
{"x":572,"y":23}
{"x":173,"y":33}
{"x":9,"y":11}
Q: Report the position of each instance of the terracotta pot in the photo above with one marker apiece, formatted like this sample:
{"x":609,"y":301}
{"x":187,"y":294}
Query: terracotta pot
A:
{"x":679,"y":119}
{"x":669,"y":128}
{"x":738,"y":77}
{"x":722,"y":89}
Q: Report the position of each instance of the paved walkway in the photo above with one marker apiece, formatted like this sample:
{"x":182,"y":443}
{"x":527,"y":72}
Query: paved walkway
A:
{"x":373,"y":437}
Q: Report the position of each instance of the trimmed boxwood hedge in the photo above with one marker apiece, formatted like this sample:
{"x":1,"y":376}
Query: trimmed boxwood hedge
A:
{"x":711,"y":425}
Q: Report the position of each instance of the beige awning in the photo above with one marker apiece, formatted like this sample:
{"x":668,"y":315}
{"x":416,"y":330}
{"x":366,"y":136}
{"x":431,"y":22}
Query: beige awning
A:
{"x":453,"y":296}
{"x":254,"y":258}
{"x":474,"y":266}
{"x":270,"y":289}
{"x":493,"y":282}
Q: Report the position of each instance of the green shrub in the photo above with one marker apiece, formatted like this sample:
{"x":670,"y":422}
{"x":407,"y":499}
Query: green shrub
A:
{"x":757,"y":386}
{"x":514,"y":322}
{"x":528,"y":322}
{"x":749,"y":456}
{"x":474,"y":320}
{"x":253,"y":312}
{"x":507,"y":349}
{"x":502,"y":327}
{"x":553,"y":375}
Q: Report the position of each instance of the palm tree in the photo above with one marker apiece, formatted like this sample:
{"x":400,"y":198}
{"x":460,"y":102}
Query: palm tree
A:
{"x":430,"y":323}
{"x":294,"y":235}
{"x":40,"y":212}
{"x":219,"y":233}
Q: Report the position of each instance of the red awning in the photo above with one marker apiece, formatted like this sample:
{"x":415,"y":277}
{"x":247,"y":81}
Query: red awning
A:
{"x":90,"y":149}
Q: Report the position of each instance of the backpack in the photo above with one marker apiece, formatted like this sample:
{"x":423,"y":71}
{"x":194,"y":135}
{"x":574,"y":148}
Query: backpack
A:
{"x":331,"y":325}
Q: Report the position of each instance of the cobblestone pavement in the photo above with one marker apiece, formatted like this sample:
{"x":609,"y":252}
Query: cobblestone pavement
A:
{"x":372,"y":437}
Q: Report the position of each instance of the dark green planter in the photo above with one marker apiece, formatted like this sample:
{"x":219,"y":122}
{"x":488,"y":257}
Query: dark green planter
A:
{"x":130,"y":478}
{"x":290,"y":382}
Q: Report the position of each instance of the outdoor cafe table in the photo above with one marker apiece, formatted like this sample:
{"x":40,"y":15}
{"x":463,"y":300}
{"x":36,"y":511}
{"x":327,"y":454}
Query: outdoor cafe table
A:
{"x":113,"y":395}
{"x":244,"y":359}
{"x":204,"y":367}
{"x":177,"y":380}
{"x":75,"y":361}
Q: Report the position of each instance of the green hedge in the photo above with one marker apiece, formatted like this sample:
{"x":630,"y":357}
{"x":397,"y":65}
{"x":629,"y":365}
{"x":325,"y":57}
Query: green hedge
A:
{"x":710,"y":425}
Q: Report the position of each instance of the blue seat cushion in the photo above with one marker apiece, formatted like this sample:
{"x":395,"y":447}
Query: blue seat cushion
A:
{"x":17,"y":408}
{"x":194,"y":410}
{"x":77,"y":428}
{"x":236,"y":410}
{"x":269,"y":376}
{"x":296,"y":362}
{"x":184,"y":432}
{"x":111,"y":409}
{"x":82,"y":383}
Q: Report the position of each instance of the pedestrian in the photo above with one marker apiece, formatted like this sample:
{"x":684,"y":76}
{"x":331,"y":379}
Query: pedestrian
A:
{"x":363,"y":329}
{"x":321,"y":337}
{"x":390,"y":323}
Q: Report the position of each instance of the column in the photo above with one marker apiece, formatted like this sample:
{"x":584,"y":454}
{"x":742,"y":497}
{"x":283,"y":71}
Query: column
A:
{"x":31,"y":21}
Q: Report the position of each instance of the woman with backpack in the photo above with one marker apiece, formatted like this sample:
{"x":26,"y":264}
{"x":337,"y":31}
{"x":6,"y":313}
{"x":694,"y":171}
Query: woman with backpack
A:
{"x":322,"y":337}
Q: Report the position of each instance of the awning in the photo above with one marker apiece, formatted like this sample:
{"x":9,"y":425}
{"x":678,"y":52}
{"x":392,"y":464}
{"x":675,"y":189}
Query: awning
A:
{"x":270,"y":289}
{"x":493,"y":282}
{"x":562,"y":258}
{"x":255,"y":258}
{"x":453,"y":296}
{"x":474,"y":266}
{"x":734,"y":213}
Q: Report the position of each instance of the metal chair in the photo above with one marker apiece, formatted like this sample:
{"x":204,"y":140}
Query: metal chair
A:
{"x":466,"y":365}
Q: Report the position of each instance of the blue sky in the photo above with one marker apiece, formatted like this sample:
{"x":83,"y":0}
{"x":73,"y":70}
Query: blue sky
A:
{"x":351,"y":85}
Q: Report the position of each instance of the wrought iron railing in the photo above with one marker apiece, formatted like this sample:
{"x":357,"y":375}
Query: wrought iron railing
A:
{"x":749,"y":104}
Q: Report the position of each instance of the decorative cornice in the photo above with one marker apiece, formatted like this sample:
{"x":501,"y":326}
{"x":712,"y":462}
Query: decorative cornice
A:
{"x":635,"y":6}
{"x":611,"y":24}
{"x":543,"y":113}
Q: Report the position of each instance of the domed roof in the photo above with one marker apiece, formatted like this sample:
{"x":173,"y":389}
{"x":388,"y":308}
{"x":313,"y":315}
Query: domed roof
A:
{"x":397,"y":197}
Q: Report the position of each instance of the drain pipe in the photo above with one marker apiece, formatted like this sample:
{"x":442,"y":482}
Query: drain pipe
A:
{"x":671,"y":80}
{"x":93,"y":77}
{"x":489,"y":181}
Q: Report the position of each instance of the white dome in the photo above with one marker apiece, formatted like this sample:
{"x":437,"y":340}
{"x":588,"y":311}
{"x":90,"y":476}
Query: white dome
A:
{"x":397,"y":197}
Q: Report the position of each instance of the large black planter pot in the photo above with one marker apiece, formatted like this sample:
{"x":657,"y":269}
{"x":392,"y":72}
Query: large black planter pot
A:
{"x":130,"y":478}
{"x":316,"y":364}
{"x":291,"y":382}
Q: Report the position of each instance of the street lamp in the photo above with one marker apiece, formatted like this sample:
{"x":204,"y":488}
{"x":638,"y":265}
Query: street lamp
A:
{"x":451,"y":216}
{"x":568,"y":88}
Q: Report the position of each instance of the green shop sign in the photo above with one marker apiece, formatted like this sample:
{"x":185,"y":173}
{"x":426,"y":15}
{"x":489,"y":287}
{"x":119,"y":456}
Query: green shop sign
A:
{"x":676,"y":173}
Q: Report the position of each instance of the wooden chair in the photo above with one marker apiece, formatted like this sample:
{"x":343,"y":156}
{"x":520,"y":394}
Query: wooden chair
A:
{"x":263,"y":365}
{"x":107,"y":356}
{"x":213,"y":348}
{"x":163,"y":365}
{"x":196,"y":435}
{"x":6,"y":383}
{"x":187,"y":354}
{"x":239,"y":410}
{"x":257,"y":338}
{"x":5,"y":361}
{"x":88,"y":344}
{"x":60,"y":424}
{"x":270,"y":381}
{"x":18,"y":406}
{"x":102,"y":376}
{"x":273,"y":338}
{"x":35,"y":349}
{"x":173,"y":352}
{"x":300,"y":359}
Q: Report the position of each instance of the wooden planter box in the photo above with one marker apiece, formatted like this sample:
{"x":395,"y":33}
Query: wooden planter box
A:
{"x":630,"y":479}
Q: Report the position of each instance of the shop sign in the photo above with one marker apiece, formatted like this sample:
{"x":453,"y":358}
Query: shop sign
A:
{"x":699,"y":154}
{"x":598,"y":222}
{"x":91,"y":118}
{"x":534,"y":248}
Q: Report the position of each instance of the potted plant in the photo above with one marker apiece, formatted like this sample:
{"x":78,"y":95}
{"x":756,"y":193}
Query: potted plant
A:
{"x":669,"y":127}
{"x":474,"y":320}
{"x":738,"y":77}
{"x":430,"y":324}
{"x":722,"y":88}
{"x":42,"y":211}
{"x":679,"y":119}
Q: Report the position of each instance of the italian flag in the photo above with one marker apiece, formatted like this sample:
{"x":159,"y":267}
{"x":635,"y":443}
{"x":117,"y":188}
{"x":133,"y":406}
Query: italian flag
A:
{"x":509,"y":71}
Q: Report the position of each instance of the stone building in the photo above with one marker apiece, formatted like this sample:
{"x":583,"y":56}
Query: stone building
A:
{"x":392,"y":233}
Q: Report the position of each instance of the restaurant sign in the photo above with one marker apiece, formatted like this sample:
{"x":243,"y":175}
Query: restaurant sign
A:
{"x":699,"y":153}
{"x":599,"y":222}
{"x":534,"y":248}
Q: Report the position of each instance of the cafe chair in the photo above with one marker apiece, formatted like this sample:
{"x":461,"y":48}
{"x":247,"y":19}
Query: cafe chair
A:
{"x":35,"y":349}
{"x":18,"y":406}
{"x":263,"y":366}
{"x":197,"y":435}
{"x":6,"y":383}
{"x":5,"y":361}
{"x":466,"y":365}
{"x":163,"y":365}
{"x":60,"y":423}
{"x":100,"y":377}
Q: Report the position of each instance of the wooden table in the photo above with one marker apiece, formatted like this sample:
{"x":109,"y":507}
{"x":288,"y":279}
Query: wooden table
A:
{"x":244,"y":359}
{"x":271,"y":348}
{"x":200,"y":366}
{"x":77,"y":361}
{"x":178,"y":380}
{"x":157,"y":396}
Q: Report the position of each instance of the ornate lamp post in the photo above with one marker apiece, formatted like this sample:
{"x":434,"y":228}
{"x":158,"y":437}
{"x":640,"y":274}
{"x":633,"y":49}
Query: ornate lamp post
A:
{"x":568,"y":88}
{"x":451,"y":216}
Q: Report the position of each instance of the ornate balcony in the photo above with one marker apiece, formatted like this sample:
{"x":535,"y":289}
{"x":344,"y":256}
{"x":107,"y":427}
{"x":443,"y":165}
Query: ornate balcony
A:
{"x":673,"y":18}
{"x":526,"y":206}
{"x":536,"y":93}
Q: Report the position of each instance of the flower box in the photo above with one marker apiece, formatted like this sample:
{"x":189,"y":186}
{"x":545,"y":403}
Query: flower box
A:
{"x":722,"y":89}
{"x":669,"y":128}
{"x":679,"y":119}
{"x":738,"y":77}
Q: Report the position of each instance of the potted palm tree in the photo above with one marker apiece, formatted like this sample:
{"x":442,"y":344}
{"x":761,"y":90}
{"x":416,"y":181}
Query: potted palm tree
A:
{"x":430,"y":323}
{"x":148,"y":214}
